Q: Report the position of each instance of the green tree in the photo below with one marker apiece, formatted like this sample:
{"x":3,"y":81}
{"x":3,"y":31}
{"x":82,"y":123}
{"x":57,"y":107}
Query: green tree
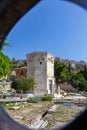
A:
{"x":5,"y":64}
{"x":63,"y":76}
{"x":84,"y":72}
{"x":69,"y":67}
{"x":23,"y":84}
{"x":4,"y":44}
{"x":78,"y":81}
{"x":60,"y":71}
{"x":69,"y":75}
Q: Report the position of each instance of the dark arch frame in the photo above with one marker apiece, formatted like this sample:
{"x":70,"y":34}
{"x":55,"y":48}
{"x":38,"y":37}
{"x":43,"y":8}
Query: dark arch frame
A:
{"x":10,"y":12}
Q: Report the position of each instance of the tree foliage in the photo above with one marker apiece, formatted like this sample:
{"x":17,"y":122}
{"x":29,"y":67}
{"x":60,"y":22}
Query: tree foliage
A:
{"x":79,"y":81}
{"x":63,"y":73}
{"x":23,"y":84}
{"x":60,"y":71}
{"x":4,"y":44}
{"x":5,"y":64}
{"x":84,"y":72}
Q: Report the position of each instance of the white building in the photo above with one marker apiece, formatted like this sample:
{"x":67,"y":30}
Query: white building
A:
{"x":40,"y":67}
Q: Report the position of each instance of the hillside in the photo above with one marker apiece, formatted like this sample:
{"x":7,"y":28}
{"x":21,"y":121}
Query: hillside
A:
{"x":74,"y":64}
{"x":66,"y":86}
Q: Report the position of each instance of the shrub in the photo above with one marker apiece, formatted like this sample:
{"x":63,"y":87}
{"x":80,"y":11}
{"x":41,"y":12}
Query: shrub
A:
{"x":47,"y":98}
{"x":3,"y":104}
{"x":34,"y":99}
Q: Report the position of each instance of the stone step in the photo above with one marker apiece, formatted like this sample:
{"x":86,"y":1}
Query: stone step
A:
{"x":44,"y":124}
{"x":38,"y":124}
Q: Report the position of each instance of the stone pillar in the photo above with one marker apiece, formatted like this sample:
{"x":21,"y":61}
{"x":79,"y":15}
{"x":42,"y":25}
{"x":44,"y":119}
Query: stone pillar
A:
{"x":58,"y":90}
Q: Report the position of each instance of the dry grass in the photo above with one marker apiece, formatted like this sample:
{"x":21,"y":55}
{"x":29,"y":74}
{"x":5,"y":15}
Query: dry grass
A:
{"x":30,"y":112}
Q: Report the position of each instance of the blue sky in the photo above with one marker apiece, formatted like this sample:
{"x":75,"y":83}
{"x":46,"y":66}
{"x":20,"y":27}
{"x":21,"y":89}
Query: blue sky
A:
{"x":58,"y":27}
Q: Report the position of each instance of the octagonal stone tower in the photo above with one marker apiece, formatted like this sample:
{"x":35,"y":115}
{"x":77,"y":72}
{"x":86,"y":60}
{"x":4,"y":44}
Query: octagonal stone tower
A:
{"x":40,"y":67}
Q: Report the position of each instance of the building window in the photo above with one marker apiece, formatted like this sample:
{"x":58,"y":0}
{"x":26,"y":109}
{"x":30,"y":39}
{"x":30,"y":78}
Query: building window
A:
{"x":40,"y":63}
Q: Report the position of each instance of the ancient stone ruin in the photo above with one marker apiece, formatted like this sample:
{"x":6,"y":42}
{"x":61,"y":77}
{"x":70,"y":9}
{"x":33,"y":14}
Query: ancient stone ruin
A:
{"x":40,"y":67}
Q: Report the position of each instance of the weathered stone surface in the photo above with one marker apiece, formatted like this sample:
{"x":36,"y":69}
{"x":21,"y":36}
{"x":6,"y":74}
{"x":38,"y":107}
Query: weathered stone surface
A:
{"x":38,"y":124}
{"x":53,"y":109}
{"x":40,"y":67}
